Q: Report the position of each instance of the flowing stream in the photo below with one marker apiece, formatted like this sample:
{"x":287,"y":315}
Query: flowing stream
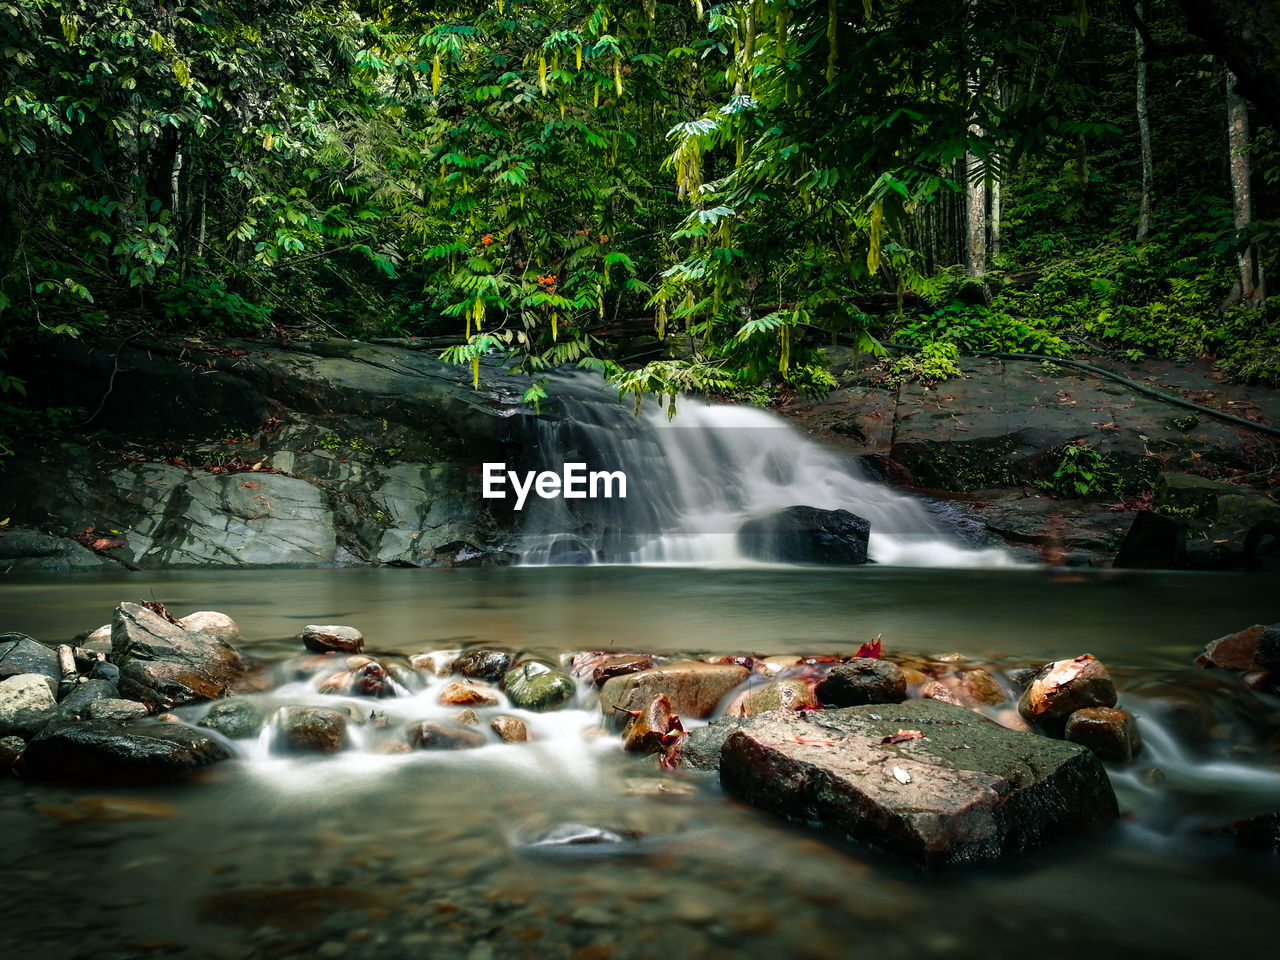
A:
{"x":465,"y":853}
{"x":693,"y":479}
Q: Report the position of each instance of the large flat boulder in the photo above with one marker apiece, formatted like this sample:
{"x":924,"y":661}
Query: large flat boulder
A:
{"x":967,"y":790}
{"x":99,"y":751}
{"x":165,"y":664}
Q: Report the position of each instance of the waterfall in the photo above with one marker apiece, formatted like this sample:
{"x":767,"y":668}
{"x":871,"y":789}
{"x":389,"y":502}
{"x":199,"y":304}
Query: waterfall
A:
{"x":692,"y":480}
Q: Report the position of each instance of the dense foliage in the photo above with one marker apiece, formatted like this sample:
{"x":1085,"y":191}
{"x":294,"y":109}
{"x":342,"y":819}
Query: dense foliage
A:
{"x":686,"y":194}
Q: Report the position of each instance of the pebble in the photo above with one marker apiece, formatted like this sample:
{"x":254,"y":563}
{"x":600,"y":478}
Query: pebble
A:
{"x":592,"y":917}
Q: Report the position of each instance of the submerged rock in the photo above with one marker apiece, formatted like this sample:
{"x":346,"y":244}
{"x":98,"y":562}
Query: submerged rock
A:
{"x":444,"y":736}
{"x":967,"y":790}
{"x":862,"y":680}
{"x":598,"y":666}
{"x":26,"y":704}
{"x":97,"y":751}
{"x":1061,"y":688}
{"x":1110,"y":733}
{"x":532,"y":685}
{"x":1260,"y":833}
{"x":694,"y":688}
{"x":311,"y":730}
{"x":483,"y":664}
{"x":162,"y":663}
{"x":20,"y":654}
{"x":806,"y":535}
{"x":326,"y":638}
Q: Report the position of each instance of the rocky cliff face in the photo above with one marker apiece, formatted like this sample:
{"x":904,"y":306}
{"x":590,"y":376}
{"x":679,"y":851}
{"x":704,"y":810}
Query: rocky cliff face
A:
{"x":250,"y":454}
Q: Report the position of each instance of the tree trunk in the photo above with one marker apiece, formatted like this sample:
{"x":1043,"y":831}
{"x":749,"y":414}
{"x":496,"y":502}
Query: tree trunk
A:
{"x":1144,"y":130}
{"x":995,"y":216}
{"x":975,"y":186}
{"x":1249,"y":264}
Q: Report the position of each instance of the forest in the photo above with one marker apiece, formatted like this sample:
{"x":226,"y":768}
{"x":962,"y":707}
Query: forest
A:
{"x":686,"y":196}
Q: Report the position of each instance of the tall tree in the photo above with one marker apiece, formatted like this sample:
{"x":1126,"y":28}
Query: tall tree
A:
{"x":975,"y":180}
{"x":1144,"y":125}
{"x":1252,"y":289}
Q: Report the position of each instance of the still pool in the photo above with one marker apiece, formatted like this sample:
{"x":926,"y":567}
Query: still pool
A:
{"x":438,"y":855}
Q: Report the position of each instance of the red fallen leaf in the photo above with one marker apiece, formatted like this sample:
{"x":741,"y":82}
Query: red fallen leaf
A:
{"x":252,"y":486}
{"x":105,"y":543}
{"x":902,"y":736}
{"x":239,"y":353}
{"x":872,"y":648}
{"x":159,"y":609}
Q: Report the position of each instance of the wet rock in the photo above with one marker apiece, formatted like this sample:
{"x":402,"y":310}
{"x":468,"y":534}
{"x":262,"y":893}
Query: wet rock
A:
{"x":96,"y":751}
{"x":1253,"y":648}
{"x":99,"y":641}
{"x":806,"y":535}
{"x":1154,"y":542}
{"x":20,"y":654}
{"x":937,"y":690}
{"x":331,"y":637}
{"x":1260,"y":833}
{"x":10,"y":750}
{"x":238,"y":718}
{"x":76,"y":703}
{"x":981,"y":687}
{"x":116,"y":711}
{"x":468,"y":718}
{"x":162,"y":663}
{"x":212,"y":623}
{"x":779,"y":695}
{"x":311,"y":730}
{"x":771,"y":666}
{"x":1061,"y":688}
{"x":510,"y":729}
{"x":444,"y":736}
{"x":532,"y":685}
{"x":598,"y":666}
{"x":468,"y":695}
{"x":700,"y":750}
{"x":424,"y":662}
{"x":32,"y":551}
{"x":967,"y":791}
{"x":1110,"y":733}
{"x":101,"y":670}
{"x":26,"y":704}
{"x":483,"y":664}
{"x":369,"y":680}
{"x":860,"y":681}
{"x":694,"y":688}
{"x":649,"y":729}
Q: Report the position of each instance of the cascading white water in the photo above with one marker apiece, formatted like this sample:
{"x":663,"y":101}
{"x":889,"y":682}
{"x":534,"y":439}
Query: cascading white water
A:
{"x":695,"y":478}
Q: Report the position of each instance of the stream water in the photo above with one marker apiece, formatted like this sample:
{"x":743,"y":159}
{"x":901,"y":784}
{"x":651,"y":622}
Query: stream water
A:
{"x":453,"y":854}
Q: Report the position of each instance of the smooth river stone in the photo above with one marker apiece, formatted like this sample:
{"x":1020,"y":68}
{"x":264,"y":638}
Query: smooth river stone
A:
{"x":694,"y":688}
{"x":968,"y":790}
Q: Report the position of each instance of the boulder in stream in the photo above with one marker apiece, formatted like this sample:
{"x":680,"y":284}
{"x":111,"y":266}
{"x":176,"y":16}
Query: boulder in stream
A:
{"x":693,"y":687}
{"x":1110,"y":733}
{"x":1253,"y":648}
{"x":1061,"y":688}
{"x":806,"y":535}
{"x":778,"y":695}
{"x":929,"y":782}
{"x":323,"y":638}
{"x":26,"y":704}
{"x":165,"y":664}
{"x":483,"y":664}
{"x":95,"y":751}
{"x":862,"y":680}
{"x":468,"y":695}
{"x":444,"y":736}
{"x":237,"y":718}
{"x":510,"y":729}
{"x":311,"y":730}
{"x":21,"y":654}
{"x":532,"y":685}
